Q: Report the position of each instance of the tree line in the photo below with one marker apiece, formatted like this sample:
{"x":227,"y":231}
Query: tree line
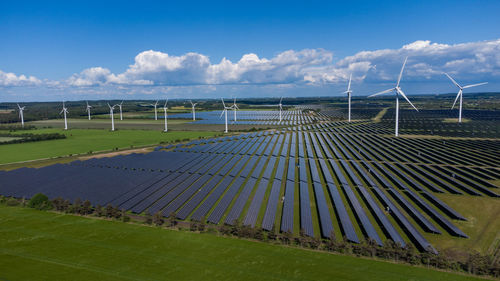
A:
{"x":22,"y":138}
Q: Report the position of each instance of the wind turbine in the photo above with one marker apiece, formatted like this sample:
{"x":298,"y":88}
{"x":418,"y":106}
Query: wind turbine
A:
{"x":21,"y":114}
{"x":111,"y":108}
{"x":165,"y":110}
{"x":349,"y":92}
{"x":224,"y":112}
{"x":65,"y":111}
{"x":397,"y":90}
{"x":235,"y":107}
{"x":156,"y":113}
{"x":460,"y":95}
{"x":88,"y":109}
{"x":281,"y":107}
{"x":120,"y":106}
{"x":192,"y":109}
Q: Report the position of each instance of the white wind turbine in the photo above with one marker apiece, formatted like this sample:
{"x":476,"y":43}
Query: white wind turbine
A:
{"x":65,"y":111}
{"x":88,"y":109}
{"x":120,"y":106}
{"x":224,"y":112}
{"x":21,"y":113}
{"x":235,"y":107}
{"x":349,"y":92}
{"x":460,"y":95}
{"x":111,"y":108}
{"x":280,"y":107}
{"x":165,"y":110}
{"x":192,"y":109}
{"x":397,"y":90}
{"x":156,"y":113}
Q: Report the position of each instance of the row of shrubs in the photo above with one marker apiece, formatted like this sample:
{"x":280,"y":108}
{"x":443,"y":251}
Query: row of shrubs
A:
{"x":21,"y":138}
{"x":471,"y":262}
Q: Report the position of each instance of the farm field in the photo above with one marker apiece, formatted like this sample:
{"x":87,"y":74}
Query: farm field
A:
{"x":142,"y":124}
{"x":80,"y":141}
{"x":65,"y":247}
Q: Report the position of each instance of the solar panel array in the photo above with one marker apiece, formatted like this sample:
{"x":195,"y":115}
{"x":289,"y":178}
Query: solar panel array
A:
{"x":322,"y":179}
{"x":254,"y":117}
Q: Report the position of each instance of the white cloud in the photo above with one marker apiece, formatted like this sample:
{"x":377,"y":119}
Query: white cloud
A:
{"x":427,"y":61}
{"x":297,"y":69}
{"x":10,"y":79}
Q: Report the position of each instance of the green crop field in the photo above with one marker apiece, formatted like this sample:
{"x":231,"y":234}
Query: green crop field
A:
{"x":80,"y":141}
{"x":50,"y":246}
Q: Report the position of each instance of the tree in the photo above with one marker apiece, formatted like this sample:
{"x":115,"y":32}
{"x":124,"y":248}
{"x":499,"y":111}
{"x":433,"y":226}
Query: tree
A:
{"x":259,"y":234}
{"x":225,"y":229}
{"x":109,"y":211}
{"x":40,"y":201}
{"x":172,"y":220}
{"x":99,"y":211}
{"x":86,"y":208}
{"x":76,"y":206}
{"x":65,"y":205}
{"x":148,"y":220}
{"x":286,"y":238}
{"x":193,"y":226}
{"x":272,"y":234}
{"x":158,"y":218}
{"x":58,"y":204}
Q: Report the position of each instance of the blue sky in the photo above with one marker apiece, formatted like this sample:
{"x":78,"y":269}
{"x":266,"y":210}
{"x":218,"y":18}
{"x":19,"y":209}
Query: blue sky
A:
{"x":85,"y":49}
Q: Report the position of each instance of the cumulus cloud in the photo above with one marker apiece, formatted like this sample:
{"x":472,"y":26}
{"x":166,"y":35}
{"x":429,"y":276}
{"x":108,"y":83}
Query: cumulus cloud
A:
{"x":157,"y":68}
{"x":10,"y":79}
{"x":310,"y":66}
{"x":427,"y":61}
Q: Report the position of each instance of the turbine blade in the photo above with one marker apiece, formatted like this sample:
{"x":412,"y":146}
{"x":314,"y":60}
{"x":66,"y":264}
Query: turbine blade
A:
{"x":222,"y":113}
{"x":401,"y":73}
{"x":458,"y":95}
{"x":281,"y":99}
{"x":349,"y":85}
{"x":474,"y":85}
{"x":406,"y":98}
{"x":454,"y":82}
{"x":382,"y":92}
{"x":223,"y":104}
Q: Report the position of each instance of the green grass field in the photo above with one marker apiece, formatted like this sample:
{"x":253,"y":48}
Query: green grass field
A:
{"x":50,"y":246}
{"x":482,"y":226}
{"x":80,"y":141}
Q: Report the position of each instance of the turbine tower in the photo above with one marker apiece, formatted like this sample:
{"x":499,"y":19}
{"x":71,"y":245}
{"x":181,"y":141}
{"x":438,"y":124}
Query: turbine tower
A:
{"x":281,"y":107}
{"x":120,"y":106}
{"x":156,"y":113}
{"x":165,"y":110}
{"x":224,"y":112}
{"x":65,"y":111}
{"x":349,"y":92}
{"x":397,"y":90}
{"x":235,"y":107}
{"x":88,"y":109}
{"x":192,"y":109}
{"x":21,"y":114}
{"x":111,"y":108}
{"x":460,"y":91}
